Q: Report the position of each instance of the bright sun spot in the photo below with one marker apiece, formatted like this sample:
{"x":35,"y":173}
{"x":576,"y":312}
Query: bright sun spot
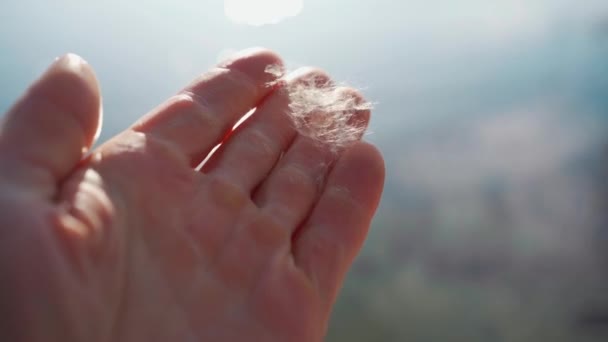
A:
{"x":261,"y":12}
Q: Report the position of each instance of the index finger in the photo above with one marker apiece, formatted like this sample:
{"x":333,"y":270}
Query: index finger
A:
{"x":198,"y":118}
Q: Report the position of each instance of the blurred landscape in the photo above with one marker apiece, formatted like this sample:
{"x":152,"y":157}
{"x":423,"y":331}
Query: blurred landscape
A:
{"x":492,"y":116}
{"x":494,"y":221}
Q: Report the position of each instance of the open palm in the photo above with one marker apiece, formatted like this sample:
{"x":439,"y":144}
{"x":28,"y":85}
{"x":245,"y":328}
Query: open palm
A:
{"x":133,"y":243}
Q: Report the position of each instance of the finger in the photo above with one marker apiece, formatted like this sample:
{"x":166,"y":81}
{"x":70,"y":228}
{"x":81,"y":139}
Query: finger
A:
{"x":46,"y":132}
{"x":302,"y":171}
{"x":332,"y":236}
{"x":294,"y":184}
{"x":248,"y":155}
{"x":201,"y":115}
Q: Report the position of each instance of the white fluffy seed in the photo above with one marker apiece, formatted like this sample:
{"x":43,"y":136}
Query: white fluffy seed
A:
{"x":324,"y":112}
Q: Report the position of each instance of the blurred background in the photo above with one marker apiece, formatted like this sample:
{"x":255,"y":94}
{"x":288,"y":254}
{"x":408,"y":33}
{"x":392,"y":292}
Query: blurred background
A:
{"x":492,"y":116}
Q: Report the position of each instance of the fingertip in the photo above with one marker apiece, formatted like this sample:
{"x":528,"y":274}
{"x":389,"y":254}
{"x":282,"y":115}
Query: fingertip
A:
{"x":255,"y":62}
{"x":368,"y":154}
{"x":55,"y":121}
{"x":257,"y":53}
{"x":73,"y":68}
{"x":70,"y":83}
{"x":362,"y":169}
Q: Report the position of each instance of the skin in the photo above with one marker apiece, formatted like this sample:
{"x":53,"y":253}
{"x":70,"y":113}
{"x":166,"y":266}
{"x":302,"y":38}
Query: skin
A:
{"x":130,"y":242}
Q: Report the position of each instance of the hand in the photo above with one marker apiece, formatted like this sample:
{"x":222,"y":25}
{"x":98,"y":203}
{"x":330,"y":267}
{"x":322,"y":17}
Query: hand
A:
{"x":131,"y":243}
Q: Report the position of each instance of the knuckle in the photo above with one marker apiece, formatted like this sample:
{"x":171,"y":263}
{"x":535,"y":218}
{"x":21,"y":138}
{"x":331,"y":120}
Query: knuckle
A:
{"x":184,"y":101}
{"x":242,"y":80}
{"x":135,"y":151}
{"x":342,"y":197}
{"x":225,"y":193}
{"x":237,"y":79}
{"x":259,"y":142}
{"x":294,"y":176}
{"x":199,"y":111}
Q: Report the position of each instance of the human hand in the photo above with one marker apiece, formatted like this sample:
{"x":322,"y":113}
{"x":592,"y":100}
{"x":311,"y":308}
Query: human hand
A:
{"x":131,"y":243}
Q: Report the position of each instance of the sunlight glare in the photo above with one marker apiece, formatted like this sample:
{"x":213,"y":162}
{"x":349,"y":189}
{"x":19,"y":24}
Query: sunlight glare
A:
{"x":261,"y":12}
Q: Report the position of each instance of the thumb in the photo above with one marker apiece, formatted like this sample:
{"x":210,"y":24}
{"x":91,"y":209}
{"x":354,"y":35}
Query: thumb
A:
{"x":46,"y":133}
